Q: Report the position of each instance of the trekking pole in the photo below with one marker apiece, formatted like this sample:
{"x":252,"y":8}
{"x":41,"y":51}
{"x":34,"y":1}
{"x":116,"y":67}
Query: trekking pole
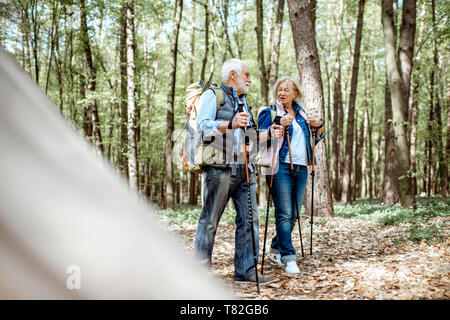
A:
{"x":249,"y":202}
{"x":269,"y":198}
{"x":295,"y":193}
{"x":313,"y":131}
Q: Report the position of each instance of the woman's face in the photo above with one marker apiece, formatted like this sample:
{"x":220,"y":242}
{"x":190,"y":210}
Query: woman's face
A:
{"x":286,"y":92}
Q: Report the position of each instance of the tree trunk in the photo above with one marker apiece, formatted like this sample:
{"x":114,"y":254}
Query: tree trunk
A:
{"x":192,"y":176}
{"x":377,"y":170}
{"x":395,"y":84}
{"x":348,"y":168}
{"x":52,"y":37}
{"x":226,"y":37}
{"x":36,"y":24}
{"x":92,"y":78}
{"x":261,"y":63}
{"x":239,"y":36}
{"x":192,"y":58}
{"x":406,"y":50}
{"x":390,"y":193}
{"x":123,"y":154}
{"x":313,"y":6}
{"x":276,"y":44}
{"x":269,"y":35}
{"x":414,"y":110}
{"x":132,"y":112}
{"x":170,"y":106}
{"x":205,"y":57}
{"x":369,"y":165}
{"x":360,"y":158}
{"x":337,"y":107}
{"x":442,"y":171}
{"x":308,"y":65}
{"x":447,"y":150}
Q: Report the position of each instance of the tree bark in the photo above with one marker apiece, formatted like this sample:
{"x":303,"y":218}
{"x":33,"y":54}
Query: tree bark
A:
{"x":170,"y":106}
{"x":132,"y":111}
{"x":123,"y":154}
{"x":308,"y":65}
{"x":52,"y":37}
{"x":313,"y":6}
{"x":395,"y":84}
{"x":406,"y":50}
{"x":261,"y":61}
{"x":435,"y":77}
{"x":369,"y":165}
{"x":414,"y":110}
{"x":348,"y":168}
{"x":274,"y":62}
{"x":226,"y":37}
{"x":191,"y":60}
{"x":337,"y":110}
{"x":269,"y":35}
{"x":36,"y":24}
{"x":390,"y":193}
{"x":92,"y":79}
{"x":192,"y":175}
{"x":205,"y":57}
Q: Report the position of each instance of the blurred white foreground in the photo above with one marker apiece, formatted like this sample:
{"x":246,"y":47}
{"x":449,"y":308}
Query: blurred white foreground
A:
{"x":69,"y":221}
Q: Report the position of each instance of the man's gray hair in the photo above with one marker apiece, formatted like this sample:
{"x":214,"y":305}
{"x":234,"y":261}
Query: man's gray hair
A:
{"x":229,"y":65}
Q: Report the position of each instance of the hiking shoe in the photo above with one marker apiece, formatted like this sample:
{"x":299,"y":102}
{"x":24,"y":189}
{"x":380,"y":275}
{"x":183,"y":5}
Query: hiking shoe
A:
{"x":275,"y":257}
{"x":291,"y":267}
{"x":252,"y":279}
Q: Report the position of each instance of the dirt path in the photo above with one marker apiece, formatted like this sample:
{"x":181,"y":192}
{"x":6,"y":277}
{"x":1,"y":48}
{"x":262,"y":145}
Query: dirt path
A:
{"x":352,"y":259}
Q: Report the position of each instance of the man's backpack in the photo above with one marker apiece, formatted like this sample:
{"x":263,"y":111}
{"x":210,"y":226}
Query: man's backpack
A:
{"x":192,"y":107}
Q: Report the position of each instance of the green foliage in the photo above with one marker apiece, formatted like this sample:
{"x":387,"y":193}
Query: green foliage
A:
{"x":418,"y":233}
{"x":153,"y":22}
{"x":417,"y":220}
{"x":189,"y":214}
{"x":418,"y":226}
{"x":371,"y":210}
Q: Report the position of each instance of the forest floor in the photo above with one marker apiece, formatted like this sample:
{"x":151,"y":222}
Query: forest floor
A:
{"x":353,"y":258}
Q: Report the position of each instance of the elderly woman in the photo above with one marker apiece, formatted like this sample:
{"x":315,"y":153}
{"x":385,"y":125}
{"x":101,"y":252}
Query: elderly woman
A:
{"x":290,"y":179}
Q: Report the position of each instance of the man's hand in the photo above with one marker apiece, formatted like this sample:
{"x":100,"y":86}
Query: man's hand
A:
{"x":276,"y":130}
{"x":239,"y":120}
{"x":286,"y":120}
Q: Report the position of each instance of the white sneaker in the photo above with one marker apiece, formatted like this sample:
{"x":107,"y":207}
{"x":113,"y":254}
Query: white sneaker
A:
{"x":291,"y":267}
{"x":275,"y":257}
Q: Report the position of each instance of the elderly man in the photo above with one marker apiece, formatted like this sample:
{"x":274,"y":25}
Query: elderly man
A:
{"x":227,"y":179}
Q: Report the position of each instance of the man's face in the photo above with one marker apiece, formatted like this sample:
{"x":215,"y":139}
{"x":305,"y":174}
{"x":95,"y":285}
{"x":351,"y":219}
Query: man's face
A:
{"x":243,"y":81}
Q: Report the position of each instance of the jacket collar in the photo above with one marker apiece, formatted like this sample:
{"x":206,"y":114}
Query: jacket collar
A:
{"x":231,"y":91}
{"x":297,"y":107}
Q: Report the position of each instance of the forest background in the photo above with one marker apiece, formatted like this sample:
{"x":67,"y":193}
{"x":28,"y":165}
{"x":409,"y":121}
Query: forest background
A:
{"x":118,"y":70}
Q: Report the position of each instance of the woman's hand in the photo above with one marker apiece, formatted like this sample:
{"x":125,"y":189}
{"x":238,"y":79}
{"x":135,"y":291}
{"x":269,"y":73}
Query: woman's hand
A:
{"x":313,"y":121}
{"x":286,"y":120}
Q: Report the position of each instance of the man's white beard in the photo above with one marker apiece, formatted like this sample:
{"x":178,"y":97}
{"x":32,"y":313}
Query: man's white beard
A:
{"x":243,"y":86}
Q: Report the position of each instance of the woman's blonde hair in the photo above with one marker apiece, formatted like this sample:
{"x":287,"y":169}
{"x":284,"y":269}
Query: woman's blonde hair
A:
{"x":284,"y":79}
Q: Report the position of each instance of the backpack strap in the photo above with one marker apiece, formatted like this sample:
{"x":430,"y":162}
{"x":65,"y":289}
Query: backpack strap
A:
{"x":273,"y":111}
{"x":220,"y":97}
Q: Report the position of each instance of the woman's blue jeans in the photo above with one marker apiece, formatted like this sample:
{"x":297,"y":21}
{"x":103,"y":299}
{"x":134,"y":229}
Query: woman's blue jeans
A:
{"x":287,"y":187}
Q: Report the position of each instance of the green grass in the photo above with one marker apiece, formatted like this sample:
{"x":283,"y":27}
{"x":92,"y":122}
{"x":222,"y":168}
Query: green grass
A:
{"x":418,"y":229}
{"x":190,"y":214}
{"x":416,"y":220}
{"x":390,"y":215}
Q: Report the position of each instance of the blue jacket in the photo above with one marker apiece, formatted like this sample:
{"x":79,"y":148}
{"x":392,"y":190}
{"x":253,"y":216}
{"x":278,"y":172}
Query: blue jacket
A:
{"x":265,"y":121}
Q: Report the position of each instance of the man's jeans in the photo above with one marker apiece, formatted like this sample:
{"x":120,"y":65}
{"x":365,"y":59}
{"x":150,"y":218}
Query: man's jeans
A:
{"x":218,"y":187}
{"x":285,"y":188}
